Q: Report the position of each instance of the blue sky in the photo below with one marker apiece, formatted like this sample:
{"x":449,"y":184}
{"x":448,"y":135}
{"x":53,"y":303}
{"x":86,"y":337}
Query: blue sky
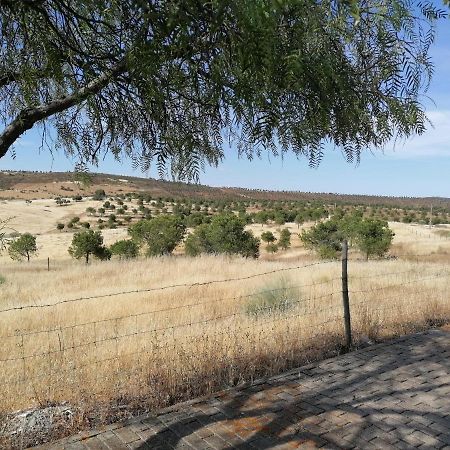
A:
{"x":417,"y":167}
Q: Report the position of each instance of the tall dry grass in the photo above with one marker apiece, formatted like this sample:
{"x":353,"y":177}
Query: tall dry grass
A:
{"x":126,"y":353}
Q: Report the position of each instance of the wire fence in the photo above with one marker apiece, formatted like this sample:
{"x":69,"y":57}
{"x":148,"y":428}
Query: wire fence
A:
{"x":172,"y":342}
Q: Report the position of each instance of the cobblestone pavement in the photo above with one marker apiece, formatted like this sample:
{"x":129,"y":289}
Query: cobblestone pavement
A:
{"x":391,"y":395}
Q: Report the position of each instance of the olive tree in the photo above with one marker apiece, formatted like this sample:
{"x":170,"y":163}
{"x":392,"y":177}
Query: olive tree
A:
{"x":164,"y":81}
{"x":268,"y":237}
{"x":325,"y":238}
{"x":374,"y":237}
{"x":23,"y":247}
{"x":285,"y":239}
{"x":86,"y":243}
{"x":225,"y":234}
{"x":125,"y":249}
{"x":160,"y":235}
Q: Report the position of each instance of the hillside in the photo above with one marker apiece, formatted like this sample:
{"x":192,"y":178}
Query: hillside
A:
{"x":34,"y":185}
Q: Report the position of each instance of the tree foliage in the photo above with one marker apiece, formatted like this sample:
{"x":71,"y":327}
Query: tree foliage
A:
{"x":285,"y":239}
{"x":22,"y":247}
{"x":160,"y":235}
{"x":267,"y":236}
{"x":325,"y":238}
{"x":86,"y":243}
{"x":166,"y":81}
{"x":373,"y":237}
{"x":225,"y":234}
{"x":125,"y":249}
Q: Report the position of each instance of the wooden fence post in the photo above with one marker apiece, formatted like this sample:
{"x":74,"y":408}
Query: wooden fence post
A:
{"x":345,"y":298}
{"x":48,"y":264}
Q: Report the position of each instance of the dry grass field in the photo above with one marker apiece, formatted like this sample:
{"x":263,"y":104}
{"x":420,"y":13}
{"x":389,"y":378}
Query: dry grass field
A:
{"x":84,"y":335}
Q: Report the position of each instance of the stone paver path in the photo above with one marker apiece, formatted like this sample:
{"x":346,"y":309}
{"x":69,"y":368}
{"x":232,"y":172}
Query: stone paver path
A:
{"x":391,"y":395}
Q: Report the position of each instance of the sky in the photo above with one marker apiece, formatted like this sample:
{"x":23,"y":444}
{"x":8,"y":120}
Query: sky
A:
{"x":418,"y":167}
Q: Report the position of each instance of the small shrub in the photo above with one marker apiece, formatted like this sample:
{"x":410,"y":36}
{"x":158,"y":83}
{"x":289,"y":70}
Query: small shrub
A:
{"x":99,"y":194}
{"x":278,"y":297}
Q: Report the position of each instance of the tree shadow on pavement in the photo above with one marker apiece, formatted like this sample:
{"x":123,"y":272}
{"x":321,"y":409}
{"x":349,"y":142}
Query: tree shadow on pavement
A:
{"x":392,"y":395}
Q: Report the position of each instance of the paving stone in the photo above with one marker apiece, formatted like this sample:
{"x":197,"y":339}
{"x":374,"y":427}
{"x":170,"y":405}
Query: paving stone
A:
{"x":390,"y":395}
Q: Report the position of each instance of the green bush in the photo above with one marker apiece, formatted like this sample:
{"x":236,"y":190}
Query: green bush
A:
{"x":373,"y":237}
{"x":225,"y":234}
{"x":268,"y":237}
{"x":160,"y":235}
{"x":278,"y":297}
{"x":99,"y":194}
{"x":125,"y":249}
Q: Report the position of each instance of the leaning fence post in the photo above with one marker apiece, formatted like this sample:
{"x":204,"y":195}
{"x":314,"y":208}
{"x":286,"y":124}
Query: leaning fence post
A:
{"x":345,"y":299}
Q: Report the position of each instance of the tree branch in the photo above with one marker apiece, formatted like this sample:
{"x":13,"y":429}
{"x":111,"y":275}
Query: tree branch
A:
{"x":29,"y":116}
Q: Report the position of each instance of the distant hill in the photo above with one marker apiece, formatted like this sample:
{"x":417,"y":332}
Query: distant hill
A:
{"x":33,"y":185}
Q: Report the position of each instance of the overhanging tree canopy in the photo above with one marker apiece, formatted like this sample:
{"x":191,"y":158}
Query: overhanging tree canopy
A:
{"x":167,"y":81}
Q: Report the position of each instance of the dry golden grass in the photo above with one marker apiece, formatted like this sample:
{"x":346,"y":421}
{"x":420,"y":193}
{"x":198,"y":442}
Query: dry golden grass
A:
{"x":118,"y":354}
{"x":432,"y":244}
{"x":149,"y":349}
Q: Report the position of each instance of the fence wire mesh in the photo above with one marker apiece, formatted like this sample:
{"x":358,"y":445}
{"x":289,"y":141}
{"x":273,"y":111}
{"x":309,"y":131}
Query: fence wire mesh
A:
{"x":183,"y":340}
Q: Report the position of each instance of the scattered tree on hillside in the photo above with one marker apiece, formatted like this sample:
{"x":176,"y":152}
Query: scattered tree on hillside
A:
{"x":163,"y":80}
{"x":125,"y":249}
{"x":60,"y":226}
{"x":272,"y":248}
{"x":86,"y":243}
{"x":23,"y":247}
{"x":325,"y":238}
{"x":268,"y":237}
{"x":374,"y":237}
{"x":299,"y":220}
{"x":285,"y":239}
{"x":160,"y":235}
{"x":225,"y":234}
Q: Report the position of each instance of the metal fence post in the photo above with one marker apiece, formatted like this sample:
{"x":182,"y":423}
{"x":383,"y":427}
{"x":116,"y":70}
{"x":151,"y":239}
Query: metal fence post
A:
{"x":345,"y":298}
